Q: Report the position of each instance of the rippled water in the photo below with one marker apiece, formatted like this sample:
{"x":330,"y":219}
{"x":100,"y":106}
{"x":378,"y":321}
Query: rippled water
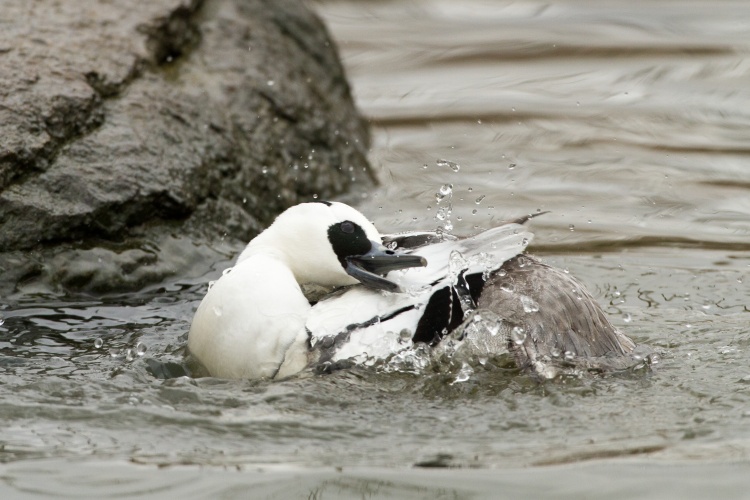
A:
{"x":628,"y":121}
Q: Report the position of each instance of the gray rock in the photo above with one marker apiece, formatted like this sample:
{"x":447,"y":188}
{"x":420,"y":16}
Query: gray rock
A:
{"x":128,"y":126}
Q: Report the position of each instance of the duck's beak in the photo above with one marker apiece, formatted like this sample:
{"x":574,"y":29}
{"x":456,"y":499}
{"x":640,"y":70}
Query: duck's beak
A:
{"x":370,"y":268}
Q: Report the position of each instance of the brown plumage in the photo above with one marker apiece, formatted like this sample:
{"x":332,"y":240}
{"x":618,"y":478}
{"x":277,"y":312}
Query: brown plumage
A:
{"x":558,"y":323}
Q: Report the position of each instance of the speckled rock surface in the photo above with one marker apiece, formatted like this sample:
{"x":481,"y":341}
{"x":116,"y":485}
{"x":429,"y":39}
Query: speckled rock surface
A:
{"x":134,"y":135}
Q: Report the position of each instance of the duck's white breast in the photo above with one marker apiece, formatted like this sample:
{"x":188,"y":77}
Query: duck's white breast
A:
{"x":249,"y":319}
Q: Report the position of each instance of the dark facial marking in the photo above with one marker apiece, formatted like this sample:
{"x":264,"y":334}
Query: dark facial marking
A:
{"x":348,"y":239}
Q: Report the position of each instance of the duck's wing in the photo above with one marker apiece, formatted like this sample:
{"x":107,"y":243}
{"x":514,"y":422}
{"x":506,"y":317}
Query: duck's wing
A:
{"x":412,"y":240}
{"x":415,"y":239}
{"x":364,"y":322}
{"x":447,"y":259}
{"x":556,"y":318}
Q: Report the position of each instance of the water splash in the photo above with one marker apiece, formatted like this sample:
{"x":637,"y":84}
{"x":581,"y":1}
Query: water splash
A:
{"x":518,"y":335}
{"x":444,"y":195}
{"x":443,"y":213}
{"x":456,"y":265}
{"x":464,"y":374}
{"x":413,"y":359}
{"x":447,"y":163}
{"x":529,"y":304}
{"x":445,"y":191}
{"x":140,"y":349}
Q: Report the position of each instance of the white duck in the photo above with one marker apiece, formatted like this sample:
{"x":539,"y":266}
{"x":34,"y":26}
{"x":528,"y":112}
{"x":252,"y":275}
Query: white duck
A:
{"x":255,"y":321}
{"x":251,"y":323}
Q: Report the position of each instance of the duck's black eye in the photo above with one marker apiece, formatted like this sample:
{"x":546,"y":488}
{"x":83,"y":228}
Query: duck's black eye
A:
{"x":348,"y":239}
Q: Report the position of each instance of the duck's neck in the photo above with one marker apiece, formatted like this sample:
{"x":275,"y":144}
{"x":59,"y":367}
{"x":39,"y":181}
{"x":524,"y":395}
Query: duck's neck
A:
{"x":260,"y":245}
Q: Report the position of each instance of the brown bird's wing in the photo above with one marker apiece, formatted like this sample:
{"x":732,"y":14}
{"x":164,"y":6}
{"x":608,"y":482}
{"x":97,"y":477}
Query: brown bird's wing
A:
{"x":555,"y":318}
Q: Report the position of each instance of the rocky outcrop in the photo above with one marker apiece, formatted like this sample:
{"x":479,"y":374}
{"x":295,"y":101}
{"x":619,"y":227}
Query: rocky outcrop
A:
{"x":134,"y":130}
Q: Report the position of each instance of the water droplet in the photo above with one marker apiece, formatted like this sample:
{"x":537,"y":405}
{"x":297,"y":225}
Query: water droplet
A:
{"x":479,"y":200}
{"x":448,"y":226}
{"x":129,"y":355}
{"x":226,"y":271}
{"x":494,"y":327}
{"x":464,"y":373}
{"x":654,"y":359}
{"x":529,"y":304}
{"x":616,"y":293}
{"x":506,"y":287}
{"x":452,"y":165}
{"x":404,"y":337}
{"x":98,"y":343}
{"x":270,"y":83}
{"x":554,"y":352}
{"x":525,"y":241}
{"x":627,"y":318}
{"x":140,"y":349}
{"x":569,"y":356}
{"x":115,"y":353}
{"x":518,"y":335}
{"x":217,"y":310}
{"x":572,"y":227}
{"x":2,"y":320}
{"x":456,"y":264}
{"x":512,"y":165}
{"x":445,"y":190}
{"x":211,"y":284}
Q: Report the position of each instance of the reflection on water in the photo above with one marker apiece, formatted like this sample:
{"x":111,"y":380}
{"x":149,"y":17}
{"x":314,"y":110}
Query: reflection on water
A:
{"x":629,"y":122}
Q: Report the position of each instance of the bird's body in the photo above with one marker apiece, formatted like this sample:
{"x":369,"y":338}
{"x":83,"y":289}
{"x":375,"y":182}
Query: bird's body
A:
{"x":255,"y":321}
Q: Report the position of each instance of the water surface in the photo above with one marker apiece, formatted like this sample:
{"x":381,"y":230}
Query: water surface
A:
{"x":628,"y":121}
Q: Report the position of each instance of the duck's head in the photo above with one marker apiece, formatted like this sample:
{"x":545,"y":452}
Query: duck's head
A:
{"x":331,"y":244}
